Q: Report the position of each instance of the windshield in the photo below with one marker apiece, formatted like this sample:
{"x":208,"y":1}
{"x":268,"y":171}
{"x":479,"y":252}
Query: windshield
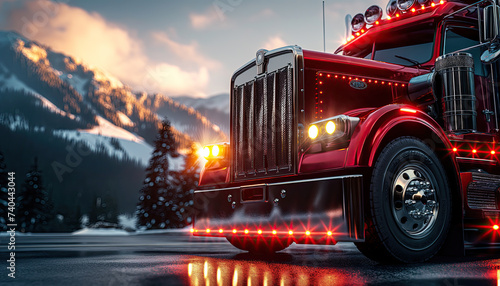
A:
{"x":404,"y":47}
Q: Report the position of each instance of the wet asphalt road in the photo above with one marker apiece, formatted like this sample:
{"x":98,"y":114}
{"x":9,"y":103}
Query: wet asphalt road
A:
{"x":179,"y":259}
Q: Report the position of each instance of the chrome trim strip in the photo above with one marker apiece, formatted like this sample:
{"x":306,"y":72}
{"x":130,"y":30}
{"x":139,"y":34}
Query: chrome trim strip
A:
{"x":282,"y":183}
{"x":476,"y":159}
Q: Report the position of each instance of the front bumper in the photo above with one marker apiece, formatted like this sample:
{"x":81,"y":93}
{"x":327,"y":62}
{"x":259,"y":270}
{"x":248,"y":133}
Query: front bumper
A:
{"x":319,"y":210}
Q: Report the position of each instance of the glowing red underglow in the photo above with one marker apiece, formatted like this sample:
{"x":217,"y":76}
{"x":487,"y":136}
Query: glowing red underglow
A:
{"x":408,"y":110}
{"x":496,"y":227}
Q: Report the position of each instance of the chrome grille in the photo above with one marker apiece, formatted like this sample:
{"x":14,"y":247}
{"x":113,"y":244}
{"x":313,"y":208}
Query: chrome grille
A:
{"x":262,"y":131}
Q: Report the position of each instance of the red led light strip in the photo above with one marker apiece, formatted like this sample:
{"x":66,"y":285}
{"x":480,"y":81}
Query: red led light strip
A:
{"x":262,"y":232}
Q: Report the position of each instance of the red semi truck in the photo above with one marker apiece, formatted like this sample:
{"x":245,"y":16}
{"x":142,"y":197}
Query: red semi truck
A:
{"x":391,"y":142}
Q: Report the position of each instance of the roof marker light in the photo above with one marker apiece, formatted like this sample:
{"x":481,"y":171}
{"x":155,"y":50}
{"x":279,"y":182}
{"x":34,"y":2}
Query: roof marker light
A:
{"x":496,"y":227}
{"x":192,"y":230}
{"x":221,"y":230}
{"x":274,"y":232}
{"x":329,"y":233}
{"x":474,"y":151}
{"x":259,"y":231}
{"x":308,"y":233}
{"x":290,"y":232}
{"x":432,"y":4}
{"x":413,"y":10}
{"x":492,"y":152}
{"x":208,"y":230}
{"x":246,"y":231}
{"x":455,"y":149}
{"x":234,"y":230}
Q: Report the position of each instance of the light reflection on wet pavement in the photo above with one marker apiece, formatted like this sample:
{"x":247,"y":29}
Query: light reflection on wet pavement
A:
{"x":178,"y":259}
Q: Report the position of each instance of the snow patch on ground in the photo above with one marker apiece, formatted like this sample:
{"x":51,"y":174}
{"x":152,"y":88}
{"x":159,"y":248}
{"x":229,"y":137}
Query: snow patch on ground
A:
{"x":124,"y":119}
{"x":106,"y":128}
{"x":100,"y":231}
{"x":138,"y":149}
{"x":76,"y":82}
{"x":14,"y":83}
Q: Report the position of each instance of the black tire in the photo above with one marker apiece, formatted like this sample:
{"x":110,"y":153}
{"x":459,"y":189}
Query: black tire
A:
{"x":259,"y":245}
{"x":410,"y":208}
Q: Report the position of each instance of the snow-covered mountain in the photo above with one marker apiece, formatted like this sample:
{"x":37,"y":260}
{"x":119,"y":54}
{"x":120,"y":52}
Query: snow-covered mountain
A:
{"x":92,"y":106}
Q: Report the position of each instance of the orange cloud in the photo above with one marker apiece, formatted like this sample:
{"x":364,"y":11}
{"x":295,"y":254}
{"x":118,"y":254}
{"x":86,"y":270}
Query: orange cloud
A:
{"x":110,"y":47}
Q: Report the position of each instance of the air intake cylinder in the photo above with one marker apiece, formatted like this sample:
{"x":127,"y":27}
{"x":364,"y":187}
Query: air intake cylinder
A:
{"x":456,"y":74}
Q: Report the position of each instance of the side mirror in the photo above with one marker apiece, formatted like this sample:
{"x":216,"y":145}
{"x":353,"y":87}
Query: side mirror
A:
{"x":490,"y":27}
{"x":490,"y":32}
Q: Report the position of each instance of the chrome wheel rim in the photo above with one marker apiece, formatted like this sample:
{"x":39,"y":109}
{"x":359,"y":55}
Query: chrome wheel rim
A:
{"x":415,"y":204}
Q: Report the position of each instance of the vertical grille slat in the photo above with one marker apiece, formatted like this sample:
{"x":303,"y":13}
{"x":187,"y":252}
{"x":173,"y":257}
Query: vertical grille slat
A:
{"x":263,"y":125}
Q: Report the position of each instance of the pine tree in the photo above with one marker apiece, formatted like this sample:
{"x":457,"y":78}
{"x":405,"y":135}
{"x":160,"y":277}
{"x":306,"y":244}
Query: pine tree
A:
{"x":188,"y":180}
{"x":155,"y":207}
{"x":34,"y":209}
{"x":3,"y":193}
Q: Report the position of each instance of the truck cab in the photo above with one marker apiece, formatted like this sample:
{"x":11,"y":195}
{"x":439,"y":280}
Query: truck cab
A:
{"x":390,"y":142}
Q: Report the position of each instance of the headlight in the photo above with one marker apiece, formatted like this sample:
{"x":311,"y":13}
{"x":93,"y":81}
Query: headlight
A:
{"x":392,"y":7}
{"x":215,"y":151}
{"x":358,"y":22}
{"x":373,"y":14}
{"x":332,"y":128}
{"x":404,"y":5}
{"x":313,"y":131}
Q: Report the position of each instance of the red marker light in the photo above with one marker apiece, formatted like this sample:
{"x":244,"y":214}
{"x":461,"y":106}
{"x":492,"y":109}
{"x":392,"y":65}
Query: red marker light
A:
{"x":432,"y":4}
{"x":329,"y":233}
{"x":192,"y":230}
{"x":221,"y":230}
{"x":423,"y":7}
{"x":308,"y":233}
{"x":455,"y":149}
{"x":234,"y":230}
{"x":397,"y":15}
{"x":388,"y":17}
{"x":376,"y":22}
{"x":492,"y":152}
{"x":413,"y":10}
{"x":441,"y":2}
{"x":496,"y":227}
{"x":208,"y":230}
{"x":275,"y":232}
{"x":357,"y":34}
{"x":290,"y":232}
{"x":259,"y":231}
{"x":408,"y":110}
{"x":474,"y":151}
{"x":246,"y":231}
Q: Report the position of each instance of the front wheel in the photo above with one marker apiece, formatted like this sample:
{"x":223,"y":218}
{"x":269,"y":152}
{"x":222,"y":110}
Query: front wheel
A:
{"x":410,"y":204}
{"x":259,"y":245}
